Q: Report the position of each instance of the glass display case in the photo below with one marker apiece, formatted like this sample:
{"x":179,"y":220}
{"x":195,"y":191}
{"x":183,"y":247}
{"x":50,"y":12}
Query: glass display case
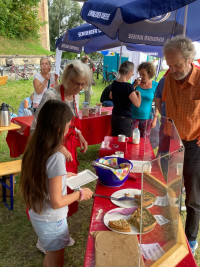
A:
{"x":162,"y":239}
{"x":155,"y":183}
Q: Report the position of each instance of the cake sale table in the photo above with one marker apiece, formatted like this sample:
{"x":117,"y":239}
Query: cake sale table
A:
{"x":143,"y":151}
{"x":93,"y":127}
{"x":12,"y":126}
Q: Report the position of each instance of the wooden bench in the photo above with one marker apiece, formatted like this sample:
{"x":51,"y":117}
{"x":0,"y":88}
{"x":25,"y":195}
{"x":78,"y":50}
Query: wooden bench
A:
{"x":7,"y":170}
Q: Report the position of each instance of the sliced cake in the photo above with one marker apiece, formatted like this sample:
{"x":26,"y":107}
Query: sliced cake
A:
{"x":148,"y":220}
{"x":148,"y":199}
{"x":120,"y":225}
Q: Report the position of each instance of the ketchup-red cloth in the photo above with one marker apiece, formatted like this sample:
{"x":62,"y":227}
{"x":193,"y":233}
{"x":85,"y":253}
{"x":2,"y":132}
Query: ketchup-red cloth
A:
{"x":70,"y":144}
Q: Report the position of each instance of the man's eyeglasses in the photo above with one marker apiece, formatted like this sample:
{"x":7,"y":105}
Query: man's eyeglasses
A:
{"x":79,"y":84}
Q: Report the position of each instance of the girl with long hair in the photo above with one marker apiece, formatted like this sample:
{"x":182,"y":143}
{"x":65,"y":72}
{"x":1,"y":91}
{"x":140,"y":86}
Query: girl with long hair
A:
{"x":43,"y":181}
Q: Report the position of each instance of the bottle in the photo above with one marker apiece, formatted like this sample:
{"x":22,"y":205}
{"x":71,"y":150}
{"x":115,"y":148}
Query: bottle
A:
{"x":98,"y":108}
{"x":85,"y":109}
{"x":136,"y":135}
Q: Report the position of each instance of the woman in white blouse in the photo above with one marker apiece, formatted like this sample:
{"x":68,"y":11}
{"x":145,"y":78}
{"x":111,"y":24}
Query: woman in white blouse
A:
{"x":43,"y":80}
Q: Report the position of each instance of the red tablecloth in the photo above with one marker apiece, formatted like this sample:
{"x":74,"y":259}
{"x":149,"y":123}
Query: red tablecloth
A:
{"x":93,"y":127}
{"x":134,"y":152}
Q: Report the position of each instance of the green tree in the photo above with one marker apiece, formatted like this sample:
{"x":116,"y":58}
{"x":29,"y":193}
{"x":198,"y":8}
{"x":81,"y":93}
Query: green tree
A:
{"x":63,"y":15}
{"x":18,"y":18}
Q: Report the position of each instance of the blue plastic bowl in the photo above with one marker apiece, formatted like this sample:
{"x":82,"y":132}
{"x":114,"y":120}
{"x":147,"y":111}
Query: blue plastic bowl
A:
{"x":107,"y":177}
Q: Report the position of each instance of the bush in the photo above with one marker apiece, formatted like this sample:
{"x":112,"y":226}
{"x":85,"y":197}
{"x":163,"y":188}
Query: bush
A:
{"x":19,"y":18}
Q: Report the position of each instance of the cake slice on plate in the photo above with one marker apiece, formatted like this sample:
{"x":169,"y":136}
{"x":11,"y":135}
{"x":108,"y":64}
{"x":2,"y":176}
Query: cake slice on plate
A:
{"x":148,"y":220}
{"x":120,"y":225}
{"x":148,"y":199}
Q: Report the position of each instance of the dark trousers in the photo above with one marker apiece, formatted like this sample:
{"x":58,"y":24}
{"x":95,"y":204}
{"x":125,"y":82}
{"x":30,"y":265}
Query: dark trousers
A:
{"x":121,"y":125}
{"x":107,"y":103}
{"x":191,"y":173}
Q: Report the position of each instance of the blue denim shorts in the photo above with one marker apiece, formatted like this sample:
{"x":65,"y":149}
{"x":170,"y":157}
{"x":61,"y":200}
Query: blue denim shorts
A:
{"x":53,"y":235}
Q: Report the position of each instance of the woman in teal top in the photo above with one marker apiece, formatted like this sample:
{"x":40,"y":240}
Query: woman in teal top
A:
{"x":142,"y":116}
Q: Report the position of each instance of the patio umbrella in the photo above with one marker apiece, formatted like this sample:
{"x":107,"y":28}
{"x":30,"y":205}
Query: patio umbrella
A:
{"x":88,"y":38}
{"x":65,"y":44}
{"x":119,"y":19}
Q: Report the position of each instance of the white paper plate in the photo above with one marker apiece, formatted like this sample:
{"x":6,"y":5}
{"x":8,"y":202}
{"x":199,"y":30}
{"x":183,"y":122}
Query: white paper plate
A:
{"x":117,"y":216}
{"x":121,"y":193}
{"x":82,"y":178}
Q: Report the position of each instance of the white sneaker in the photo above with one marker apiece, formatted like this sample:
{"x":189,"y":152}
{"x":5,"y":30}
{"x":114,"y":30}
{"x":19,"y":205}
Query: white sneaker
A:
{"x":71,"y":242}
{"x":40,"y":247}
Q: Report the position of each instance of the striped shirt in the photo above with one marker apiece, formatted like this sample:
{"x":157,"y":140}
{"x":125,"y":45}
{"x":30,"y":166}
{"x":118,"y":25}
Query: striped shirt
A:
{"x":183,"y":104}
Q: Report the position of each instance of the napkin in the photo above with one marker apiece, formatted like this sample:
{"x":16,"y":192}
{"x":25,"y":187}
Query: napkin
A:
{"x":116,"y":250}
{"x":122,"y":170}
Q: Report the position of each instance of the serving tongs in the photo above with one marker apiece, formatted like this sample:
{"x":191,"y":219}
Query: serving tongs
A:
{"x":125,"y":198}
{"x":94,"y":163}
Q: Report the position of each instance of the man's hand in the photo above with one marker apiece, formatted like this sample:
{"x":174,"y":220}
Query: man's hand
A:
{"x":198,"y":142}
{"x":153,"y":124}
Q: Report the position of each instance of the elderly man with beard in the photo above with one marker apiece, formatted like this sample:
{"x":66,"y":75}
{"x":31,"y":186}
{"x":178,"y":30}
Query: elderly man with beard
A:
{"x":182,"y":96}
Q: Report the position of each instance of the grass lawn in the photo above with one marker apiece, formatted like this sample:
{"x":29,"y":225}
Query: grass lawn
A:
{"x":22,"y":47}
{"x":17,"y":238}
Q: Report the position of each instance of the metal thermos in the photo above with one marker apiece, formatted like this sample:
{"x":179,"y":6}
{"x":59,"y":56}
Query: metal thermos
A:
{"x":5,"y":118}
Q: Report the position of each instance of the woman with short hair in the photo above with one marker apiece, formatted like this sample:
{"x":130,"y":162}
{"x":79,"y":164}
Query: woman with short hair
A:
{"x":123,"y":95}
{"x":76,"y":76}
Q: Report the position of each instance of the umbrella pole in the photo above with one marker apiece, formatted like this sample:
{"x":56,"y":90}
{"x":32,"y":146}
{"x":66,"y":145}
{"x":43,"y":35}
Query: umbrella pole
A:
{"x":158,"y":67}
{"x":185,"y":21}
{"x":120,"y":55}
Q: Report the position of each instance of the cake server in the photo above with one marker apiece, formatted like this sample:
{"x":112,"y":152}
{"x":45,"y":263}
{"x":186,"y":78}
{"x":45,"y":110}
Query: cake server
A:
{"x":117,"y":199}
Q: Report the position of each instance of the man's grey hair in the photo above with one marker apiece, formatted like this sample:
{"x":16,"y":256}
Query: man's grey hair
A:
{"x":183,"y":44}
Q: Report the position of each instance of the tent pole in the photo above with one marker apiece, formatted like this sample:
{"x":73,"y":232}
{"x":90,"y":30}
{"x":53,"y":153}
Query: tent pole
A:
{"x":120,"y":56}
{"x":158,"y":67}
{"x":58,"y":61}
{"x":185,"y":21}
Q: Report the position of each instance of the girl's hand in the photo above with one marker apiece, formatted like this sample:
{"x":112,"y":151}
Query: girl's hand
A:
{"x":87,"y":193}
{"x":70,"y":174}
{"x":66,"y":153}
